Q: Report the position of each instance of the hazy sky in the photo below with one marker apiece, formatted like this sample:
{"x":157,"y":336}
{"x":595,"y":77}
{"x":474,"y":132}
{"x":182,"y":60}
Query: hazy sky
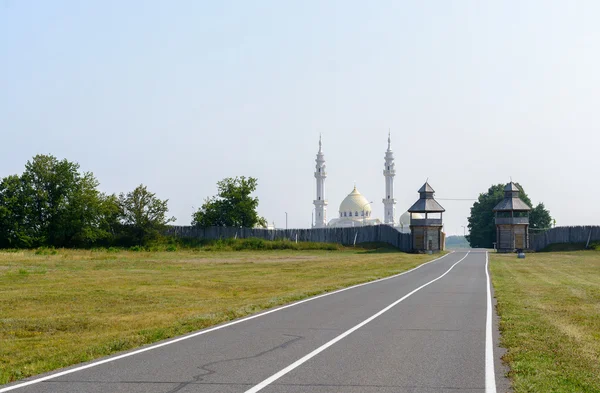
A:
{"x":180,"y":94}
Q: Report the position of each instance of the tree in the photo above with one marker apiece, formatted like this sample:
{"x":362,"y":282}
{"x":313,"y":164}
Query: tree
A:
{"x":539,"y":217}
{"x":109,"y":218}
{"x":143,"y":214}
{"x":50,"y":204}
{"x":233,"y":206}
{"x":13,"y":214}
{"x":482,"y":228}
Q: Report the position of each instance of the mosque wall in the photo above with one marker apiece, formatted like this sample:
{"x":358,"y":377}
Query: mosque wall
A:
{"x":344,"y":236}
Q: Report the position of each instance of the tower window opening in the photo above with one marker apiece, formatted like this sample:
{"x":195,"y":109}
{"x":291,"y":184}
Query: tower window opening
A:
{"x":355,"y":214}
{"x":362,"y":213}
{"x":319,"y":170}
{"x":320,"y":198}
{"x":344,"y":214}
{"x":388,"y":168}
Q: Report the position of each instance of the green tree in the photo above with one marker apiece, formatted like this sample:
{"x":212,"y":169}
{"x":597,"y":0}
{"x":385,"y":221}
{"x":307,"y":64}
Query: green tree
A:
{"x":233,"y":206}
{"x":143,"y":214}
{"x":14,"y":215}
{"x":109,"y":220}
{"x":48,"y":185}
{"x":539,"y":217}
{"x":50,"y":204}
{"x":482,"y":228}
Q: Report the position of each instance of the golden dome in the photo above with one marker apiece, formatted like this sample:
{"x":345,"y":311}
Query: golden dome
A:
{"x":355,"y":204}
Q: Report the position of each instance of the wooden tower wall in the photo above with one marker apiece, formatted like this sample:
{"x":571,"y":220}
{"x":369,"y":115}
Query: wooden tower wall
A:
{"x":422,"y":235}
{"x":511,"y":237}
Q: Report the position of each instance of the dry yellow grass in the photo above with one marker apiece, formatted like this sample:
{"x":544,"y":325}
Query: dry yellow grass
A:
{"x":549,"y":306}
{"x":74,"y":306}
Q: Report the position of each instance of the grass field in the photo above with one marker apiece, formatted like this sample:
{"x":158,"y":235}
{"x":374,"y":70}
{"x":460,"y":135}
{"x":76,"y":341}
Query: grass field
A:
{"x":61,"y":307}
{"x":549,"y":306}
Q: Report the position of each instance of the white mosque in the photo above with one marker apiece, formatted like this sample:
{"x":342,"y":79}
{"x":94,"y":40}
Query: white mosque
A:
{"x":355,"y":209}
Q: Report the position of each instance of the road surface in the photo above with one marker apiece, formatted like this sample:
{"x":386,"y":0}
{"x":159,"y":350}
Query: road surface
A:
{"x":428,"y":330}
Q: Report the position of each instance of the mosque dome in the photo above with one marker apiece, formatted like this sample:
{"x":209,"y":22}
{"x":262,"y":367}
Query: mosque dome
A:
{"x":405,"y":218}
{"x":354,"y":205}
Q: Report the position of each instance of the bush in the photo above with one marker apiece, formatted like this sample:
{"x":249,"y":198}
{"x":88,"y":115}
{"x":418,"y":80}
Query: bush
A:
{"x":251,"y":244}
{"x":46,"y":251}
{"x":558,"y":247}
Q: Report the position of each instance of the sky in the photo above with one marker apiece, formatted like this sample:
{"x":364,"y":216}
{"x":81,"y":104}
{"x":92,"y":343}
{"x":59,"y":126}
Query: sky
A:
{"x":178,"y":95}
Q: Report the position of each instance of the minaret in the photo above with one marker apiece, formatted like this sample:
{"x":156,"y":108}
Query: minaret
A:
{"x":320,"y":202}
{"x":389,"y":171}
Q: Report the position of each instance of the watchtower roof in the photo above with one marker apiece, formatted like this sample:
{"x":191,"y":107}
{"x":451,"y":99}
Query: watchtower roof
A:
{"x":426,"y":203}
{"x":511,"y":201}
{"x":426,"y":188}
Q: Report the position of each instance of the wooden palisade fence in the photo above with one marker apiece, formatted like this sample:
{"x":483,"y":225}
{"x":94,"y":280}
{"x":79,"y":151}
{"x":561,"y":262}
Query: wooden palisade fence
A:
{"x":577,"y":234}
{"x":345,"y":236}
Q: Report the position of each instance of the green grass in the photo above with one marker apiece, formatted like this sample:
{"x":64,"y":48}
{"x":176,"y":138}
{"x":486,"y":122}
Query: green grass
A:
{"x":250,"y":244}
{"x":549,"y":305}
{"x":62,"y":307}
{"x":558,"y":247}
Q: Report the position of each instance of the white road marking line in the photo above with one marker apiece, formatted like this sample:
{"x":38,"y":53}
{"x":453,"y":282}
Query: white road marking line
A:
{"x":490,"y":375}
{"x":323,"y":347}
{"x":149,"y":348}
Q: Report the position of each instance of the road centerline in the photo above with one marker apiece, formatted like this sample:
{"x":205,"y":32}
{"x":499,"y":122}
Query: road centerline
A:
{"x":323,"y":347}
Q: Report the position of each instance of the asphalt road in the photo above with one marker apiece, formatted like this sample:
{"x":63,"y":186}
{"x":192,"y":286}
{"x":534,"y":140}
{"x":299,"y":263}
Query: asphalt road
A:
{"x":423,"y":331}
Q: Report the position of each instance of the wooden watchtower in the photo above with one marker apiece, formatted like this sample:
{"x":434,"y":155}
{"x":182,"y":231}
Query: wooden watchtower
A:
{"x":426,"y":231}
{"x":512,"y":221}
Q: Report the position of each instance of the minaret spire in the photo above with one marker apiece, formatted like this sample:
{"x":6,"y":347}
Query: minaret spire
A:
{"x":320,"y":202}
{"x":389,"y":140}
{"x":389,"y":171}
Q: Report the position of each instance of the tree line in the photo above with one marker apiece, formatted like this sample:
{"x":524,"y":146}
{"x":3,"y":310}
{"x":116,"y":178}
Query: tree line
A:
{"x":54,"y":204}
